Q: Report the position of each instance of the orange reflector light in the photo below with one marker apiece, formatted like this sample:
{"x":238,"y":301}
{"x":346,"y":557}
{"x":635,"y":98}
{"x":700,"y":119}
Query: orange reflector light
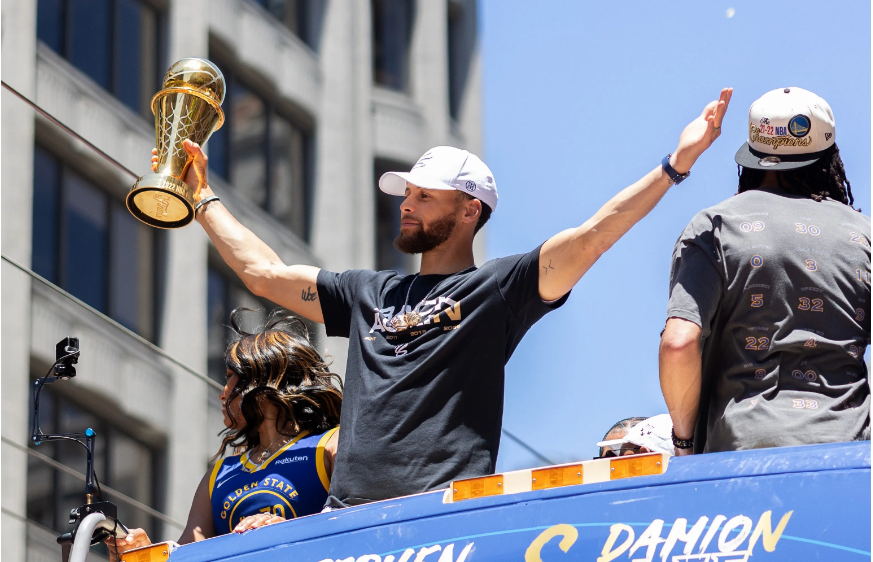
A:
{"x":556,"y":476}
{"x":635,"y":465}
{"x":159,"y":552}
{"x":477,"y":487}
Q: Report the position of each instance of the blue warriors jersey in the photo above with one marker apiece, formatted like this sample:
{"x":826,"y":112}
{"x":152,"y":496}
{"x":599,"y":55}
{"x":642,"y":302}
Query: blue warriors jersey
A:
{"x":292,"y":483}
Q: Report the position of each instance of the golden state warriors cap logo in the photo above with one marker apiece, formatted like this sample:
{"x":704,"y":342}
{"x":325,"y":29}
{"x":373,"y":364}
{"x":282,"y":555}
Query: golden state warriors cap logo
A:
{"x":799,"y":126}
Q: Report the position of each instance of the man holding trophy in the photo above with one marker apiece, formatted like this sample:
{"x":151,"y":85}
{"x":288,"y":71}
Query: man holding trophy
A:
{"x":423,"y":398}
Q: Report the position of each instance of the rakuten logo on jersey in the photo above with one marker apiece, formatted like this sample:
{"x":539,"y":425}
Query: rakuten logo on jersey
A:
{"x":290,"y":459}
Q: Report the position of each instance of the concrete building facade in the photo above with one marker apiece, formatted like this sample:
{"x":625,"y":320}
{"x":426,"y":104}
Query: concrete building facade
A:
{"x":323,"y":95}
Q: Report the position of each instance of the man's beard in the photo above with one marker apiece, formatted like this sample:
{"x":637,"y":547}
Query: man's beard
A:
{"x":426,"y":239}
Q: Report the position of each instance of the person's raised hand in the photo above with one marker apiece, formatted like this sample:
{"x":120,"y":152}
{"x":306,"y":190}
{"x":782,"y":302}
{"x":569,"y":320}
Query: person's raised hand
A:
{"x":255,"y":521}
{"x":701,"y":133}
{"x":195,"y":177}
{"x":136,"y":538}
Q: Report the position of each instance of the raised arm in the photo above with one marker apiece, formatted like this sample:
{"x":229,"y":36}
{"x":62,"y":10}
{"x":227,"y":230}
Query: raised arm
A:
{"x":256,"y":264}
{"x":568,"y":255}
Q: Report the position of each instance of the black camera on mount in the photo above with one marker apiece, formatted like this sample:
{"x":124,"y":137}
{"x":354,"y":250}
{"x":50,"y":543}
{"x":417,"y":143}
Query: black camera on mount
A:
{"x":67,"y":354}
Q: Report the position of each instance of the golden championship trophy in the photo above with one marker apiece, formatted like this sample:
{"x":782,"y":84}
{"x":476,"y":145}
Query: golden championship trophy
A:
{"x":187,"y":107}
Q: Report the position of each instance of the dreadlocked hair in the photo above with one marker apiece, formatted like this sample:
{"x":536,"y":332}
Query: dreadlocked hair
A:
{"x":824,"y":178}
{"x":277,"y":364}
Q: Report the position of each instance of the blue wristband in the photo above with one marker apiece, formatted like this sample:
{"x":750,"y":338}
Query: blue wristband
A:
{"x":675,"y":177}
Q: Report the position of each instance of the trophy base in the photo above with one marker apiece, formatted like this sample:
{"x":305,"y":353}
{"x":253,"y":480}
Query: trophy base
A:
{"x":161,"y":201}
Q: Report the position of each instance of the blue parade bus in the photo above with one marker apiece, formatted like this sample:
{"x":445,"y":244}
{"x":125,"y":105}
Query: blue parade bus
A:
{"x":784,"y":504}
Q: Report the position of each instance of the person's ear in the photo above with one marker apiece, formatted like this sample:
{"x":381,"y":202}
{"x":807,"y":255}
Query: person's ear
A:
{"x":472,"y":211}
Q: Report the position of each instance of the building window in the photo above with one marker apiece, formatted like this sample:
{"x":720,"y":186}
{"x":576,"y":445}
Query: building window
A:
{"x":122,"y":462}
{"x":226,"y":292}
{"x":392,"y":32}
{"x":297,"y":15}
{"x":388,"y":258}
{"x":88,"y":243}
{"x":114,"y":42}
{"x":265,"y":155}
{"x":461,"y":46}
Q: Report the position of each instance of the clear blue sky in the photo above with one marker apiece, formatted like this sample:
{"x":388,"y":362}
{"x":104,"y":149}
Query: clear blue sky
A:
{"x":583,"y":98}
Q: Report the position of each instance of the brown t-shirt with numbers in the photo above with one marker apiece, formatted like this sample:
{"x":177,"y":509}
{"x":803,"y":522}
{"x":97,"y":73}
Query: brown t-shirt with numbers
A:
{"x":780,"y":286}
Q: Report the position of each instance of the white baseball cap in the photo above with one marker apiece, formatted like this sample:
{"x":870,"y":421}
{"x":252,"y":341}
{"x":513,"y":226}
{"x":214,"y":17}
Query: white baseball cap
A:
{"x":788,"y":128}
{"x":446,"y":167}
{"x":655,"y":434}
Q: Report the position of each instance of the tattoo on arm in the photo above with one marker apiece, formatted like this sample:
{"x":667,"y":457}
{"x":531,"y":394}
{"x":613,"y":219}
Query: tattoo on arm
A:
{"x":308,"y":295}
{"x":547,"y":268}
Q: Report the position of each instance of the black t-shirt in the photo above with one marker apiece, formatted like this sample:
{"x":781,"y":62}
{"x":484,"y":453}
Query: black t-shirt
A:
{"x":423,"y":406}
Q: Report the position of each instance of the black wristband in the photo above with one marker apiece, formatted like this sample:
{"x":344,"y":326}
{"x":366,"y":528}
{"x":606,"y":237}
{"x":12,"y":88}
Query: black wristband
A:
{"x":205,"y":201}
{"x":681,"y":443}
{"x":675,"y":176}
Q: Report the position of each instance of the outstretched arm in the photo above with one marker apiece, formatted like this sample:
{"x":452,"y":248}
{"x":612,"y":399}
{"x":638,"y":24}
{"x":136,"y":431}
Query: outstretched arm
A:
{"x":256,"y":264}
{"x":568,"y":255}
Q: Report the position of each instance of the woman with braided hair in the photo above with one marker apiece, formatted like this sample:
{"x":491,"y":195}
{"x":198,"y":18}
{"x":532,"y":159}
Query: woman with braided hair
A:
{"x":281,"y":408}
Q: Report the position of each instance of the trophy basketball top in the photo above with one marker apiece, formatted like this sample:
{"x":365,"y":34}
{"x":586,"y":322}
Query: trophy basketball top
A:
{"x":197,"y":77}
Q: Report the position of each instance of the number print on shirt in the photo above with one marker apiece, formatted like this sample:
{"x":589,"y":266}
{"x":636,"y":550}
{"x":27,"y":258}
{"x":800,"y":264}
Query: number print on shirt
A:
{"x":863,"y":275}
{"x":756,"y":261}
{"x":814,"y":305}
{"x":855,"y":351}
{"x":804,"y":229}
{"x":859,"y":314}
{"x":801,"y":404}
{"x":809,"y":343}
{"x":760,"y":374}
{"x":757,"y":301}
{"x":811,"y":265}
{"x":858,"y":239}
{"x":756,"y":226}
{"x":809,"y":375}
{"x":758,"y":344}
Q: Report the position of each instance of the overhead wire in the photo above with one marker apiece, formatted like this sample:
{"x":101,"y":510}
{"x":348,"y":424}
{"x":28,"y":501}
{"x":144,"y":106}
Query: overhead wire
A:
{"x":128,"y":332}
{"x":110,"y":491}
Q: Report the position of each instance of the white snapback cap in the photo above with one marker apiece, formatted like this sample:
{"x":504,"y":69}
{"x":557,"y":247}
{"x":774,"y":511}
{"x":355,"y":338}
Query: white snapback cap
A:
{"x":788,"y":128}
{"x":446,"y":167}
{"x":655,"y":434}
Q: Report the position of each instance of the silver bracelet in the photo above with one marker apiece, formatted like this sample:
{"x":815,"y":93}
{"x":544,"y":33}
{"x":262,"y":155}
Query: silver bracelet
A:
{"x":205,"y":201}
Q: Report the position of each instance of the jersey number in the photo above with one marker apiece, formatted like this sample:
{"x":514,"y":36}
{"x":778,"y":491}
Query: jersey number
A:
{"x":863,"y":275}
{"x":758,"y":344}
{"x":858,"y":239}
{"x":800,"y":404}
{"x":814,"y":305}
{"x":803,"y":229}
{"x":275,"y":510}
{"x":810,"y":265}
{"x":757,"y":301}
{"x":752,"y":226}
{"x":809,"y":375}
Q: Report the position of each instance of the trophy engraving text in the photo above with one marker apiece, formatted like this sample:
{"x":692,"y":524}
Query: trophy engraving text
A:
{"x":163,"y":204}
